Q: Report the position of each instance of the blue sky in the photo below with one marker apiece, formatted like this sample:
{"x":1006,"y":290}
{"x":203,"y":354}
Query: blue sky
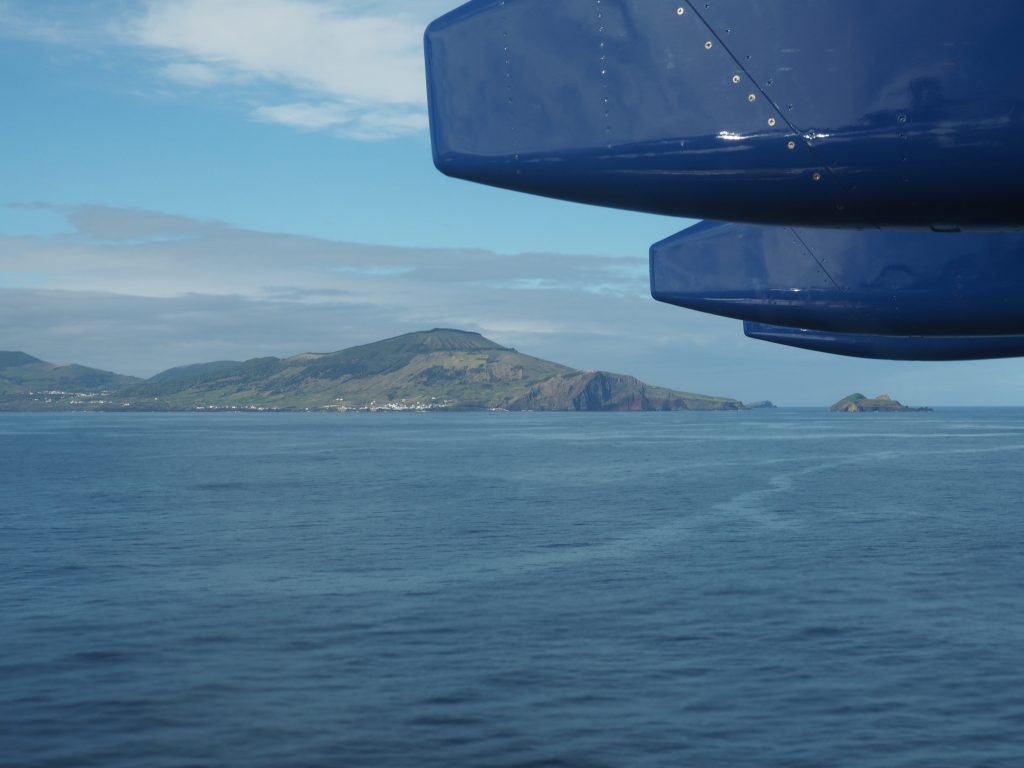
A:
{"x":188,"y":180}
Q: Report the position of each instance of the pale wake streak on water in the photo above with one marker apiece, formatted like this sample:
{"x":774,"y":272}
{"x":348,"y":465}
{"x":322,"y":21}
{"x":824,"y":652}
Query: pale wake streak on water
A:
{"x":787,"y":588}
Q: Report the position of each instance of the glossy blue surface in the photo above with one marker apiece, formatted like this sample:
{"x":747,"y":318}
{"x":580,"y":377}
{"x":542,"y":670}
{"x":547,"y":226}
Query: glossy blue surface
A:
{"x":890,"y":347}
{"x":904,"y":114}
{"x":847,"y":281}
{"x":872,"y":149}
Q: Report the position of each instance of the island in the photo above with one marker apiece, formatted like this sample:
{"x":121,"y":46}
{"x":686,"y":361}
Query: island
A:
{"x":438,"y":370}
{"x":858,"y":403}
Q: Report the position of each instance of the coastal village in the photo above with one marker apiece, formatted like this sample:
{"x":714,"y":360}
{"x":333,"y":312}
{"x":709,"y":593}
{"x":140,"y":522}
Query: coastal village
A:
{"x":108,"y":401}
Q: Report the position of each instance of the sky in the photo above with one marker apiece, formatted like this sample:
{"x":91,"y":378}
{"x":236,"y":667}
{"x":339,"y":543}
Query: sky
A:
{"x":195,"y":180}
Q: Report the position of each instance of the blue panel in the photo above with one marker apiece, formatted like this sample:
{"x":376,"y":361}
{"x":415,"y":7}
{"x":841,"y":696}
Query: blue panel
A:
{"x":847,"y":281}
{"x":905,"y":103}
{"x":805,"y":112}
{"x":622,"y":104}
{"x":891,"y":347}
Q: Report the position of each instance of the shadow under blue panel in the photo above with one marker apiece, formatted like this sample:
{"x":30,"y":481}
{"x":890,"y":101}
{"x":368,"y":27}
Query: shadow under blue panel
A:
{"x":890,"y":347}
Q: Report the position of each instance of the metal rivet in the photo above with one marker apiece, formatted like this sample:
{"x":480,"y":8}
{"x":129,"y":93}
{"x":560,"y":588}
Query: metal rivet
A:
{"x":735,"y":78}
{"x":680,"y":11}
{"x":792,"y":145}
{"x":771,"y":122}
{"x":707,"y":45}
{"x":752,"y":98}
{"x":816,"y":176}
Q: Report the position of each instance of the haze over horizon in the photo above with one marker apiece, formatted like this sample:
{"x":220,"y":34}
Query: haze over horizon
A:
{"x":198,"y":180}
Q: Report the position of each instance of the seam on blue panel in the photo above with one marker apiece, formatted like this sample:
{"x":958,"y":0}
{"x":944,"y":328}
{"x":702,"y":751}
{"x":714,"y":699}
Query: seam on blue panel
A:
{"x":813,"y":256}
{"x":818,"y":161}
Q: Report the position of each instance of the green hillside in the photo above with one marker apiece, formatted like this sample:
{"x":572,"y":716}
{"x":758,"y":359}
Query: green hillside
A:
{"x":16,"y":359}
{"x":194,"y":372}
{"x":427,"y":370}
{"x":25,"y":379}
{"x":457,"y":368}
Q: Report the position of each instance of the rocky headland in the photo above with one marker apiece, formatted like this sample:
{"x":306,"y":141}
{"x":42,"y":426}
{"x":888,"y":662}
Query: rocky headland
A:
{"x":858,"y":403}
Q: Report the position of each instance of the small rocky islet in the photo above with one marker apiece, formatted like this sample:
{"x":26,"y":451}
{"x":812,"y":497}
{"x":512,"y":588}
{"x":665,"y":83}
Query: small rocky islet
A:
{"x":858,"y":403}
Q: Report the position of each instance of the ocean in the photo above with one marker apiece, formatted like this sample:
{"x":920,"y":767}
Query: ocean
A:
{"x":784,"y":587}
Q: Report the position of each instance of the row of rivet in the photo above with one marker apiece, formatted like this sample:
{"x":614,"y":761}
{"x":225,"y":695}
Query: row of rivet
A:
{"x":604,"y":73}
{"x":508,"y":85}
{"x":751,"y":97}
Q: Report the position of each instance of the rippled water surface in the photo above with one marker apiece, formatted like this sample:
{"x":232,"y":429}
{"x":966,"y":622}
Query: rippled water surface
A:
{"x":776,"y":588}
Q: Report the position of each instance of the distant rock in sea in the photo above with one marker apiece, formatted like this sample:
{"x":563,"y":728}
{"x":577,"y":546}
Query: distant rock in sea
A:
{"x":759,"y":404}
{"x":858,"y":403}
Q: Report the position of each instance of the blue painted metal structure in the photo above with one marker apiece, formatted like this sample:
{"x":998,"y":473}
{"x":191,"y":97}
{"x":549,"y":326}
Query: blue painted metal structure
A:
{"x":897,"y":126}
{"x":890,"y":347}
{"x":846,"y":280}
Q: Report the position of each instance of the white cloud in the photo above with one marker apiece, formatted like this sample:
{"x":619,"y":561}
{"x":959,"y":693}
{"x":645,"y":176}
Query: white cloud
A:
{"x":350,"y":67}
{"x":349,"y":120}
{"x":358,"y":73}
{"x":297,"y":42}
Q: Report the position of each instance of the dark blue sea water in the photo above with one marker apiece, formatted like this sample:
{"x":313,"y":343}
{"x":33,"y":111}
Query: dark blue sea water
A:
{"x":776,"y":588}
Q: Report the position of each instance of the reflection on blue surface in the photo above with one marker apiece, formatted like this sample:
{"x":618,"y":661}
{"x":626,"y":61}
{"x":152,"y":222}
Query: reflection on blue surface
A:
{"x":847,"y":281}
{"x":906,"y":117}
{"x":890,"y":347}
{"x":813,"y":112}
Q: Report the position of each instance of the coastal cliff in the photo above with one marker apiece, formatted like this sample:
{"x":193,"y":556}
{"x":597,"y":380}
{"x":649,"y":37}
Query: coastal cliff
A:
{"x":602,"y":391}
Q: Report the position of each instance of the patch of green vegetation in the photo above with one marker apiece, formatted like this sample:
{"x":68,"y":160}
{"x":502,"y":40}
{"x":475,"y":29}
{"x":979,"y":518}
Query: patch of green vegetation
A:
{"x":430,"y":369}
{"x":856,"y":397}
